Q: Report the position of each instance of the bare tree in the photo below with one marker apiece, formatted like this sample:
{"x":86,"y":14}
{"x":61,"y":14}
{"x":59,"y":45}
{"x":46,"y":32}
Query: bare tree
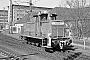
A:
{"x":80,"y":13}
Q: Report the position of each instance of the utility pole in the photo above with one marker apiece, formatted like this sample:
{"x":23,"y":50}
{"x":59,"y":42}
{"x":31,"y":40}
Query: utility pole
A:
{"x":30,"y":8}
{"x":10,"y":17}
{"x":30,"y":3}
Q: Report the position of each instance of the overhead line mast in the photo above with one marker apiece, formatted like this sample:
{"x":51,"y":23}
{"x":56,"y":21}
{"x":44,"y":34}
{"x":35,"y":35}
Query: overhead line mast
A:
{"x":10,"y":17}
{"x":10,"y":14}
{"x":30,"y":3}
{"x":30,"y":8}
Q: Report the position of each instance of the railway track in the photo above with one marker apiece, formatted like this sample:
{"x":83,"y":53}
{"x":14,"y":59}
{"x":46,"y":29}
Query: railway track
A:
{"x":12,"y":42}
{"x":5,"y":53}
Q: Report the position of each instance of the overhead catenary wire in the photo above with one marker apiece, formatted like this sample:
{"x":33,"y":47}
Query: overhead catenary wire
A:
{"x":28,"y":1}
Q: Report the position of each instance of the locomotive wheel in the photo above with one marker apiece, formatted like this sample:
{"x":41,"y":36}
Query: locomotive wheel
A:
{"x":27,"y":42}
{"x":63,"y":50}
{"x":20,"y":37}
{"x":49,"y":50}
{"x":30,"y":43}
{"x":23,"y":38}
{"x":35,"y":44}
{"x":39,"y":45}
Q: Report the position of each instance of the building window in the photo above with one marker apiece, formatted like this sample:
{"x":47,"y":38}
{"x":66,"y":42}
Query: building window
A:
{"x":6,"y":20}
{"x":1,"y":17}
{"x":18,"y":14}
{"x":17,"y":18}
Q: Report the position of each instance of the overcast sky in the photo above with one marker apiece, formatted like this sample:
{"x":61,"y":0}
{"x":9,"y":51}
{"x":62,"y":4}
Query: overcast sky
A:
{"x":42,"y":3}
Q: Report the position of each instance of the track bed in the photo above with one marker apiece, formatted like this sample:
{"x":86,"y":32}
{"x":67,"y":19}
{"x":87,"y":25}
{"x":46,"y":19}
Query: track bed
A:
{"x":12,"y":42}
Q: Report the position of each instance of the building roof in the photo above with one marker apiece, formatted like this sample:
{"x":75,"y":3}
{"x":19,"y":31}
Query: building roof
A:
{"x":32,"y":6}
{"x":63,"y":14}
{"x":3,"y":10}
{"x":26,"y":18}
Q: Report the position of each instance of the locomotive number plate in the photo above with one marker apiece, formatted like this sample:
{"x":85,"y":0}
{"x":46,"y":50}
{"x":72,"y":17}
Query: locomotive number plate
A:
{"x":57,"y":23}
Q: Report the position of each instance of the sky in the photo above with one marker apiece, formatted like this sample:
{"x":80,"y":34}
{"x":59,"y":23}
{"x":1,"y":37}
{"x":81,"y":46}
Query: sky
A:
{"x":40,"y":3}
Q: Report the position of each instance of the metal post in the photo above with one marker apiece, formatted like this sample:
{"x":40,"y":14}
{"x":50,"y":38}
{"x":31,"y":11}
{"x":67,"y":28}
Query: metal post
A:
{"x":57,"y":32}
{"x":42,"y":42}
{"x":64,"y":32}
{"x":35,"y":26}
{"x":84,"y":44}
{"x":10,"y":17}
{"x":39,"y":24}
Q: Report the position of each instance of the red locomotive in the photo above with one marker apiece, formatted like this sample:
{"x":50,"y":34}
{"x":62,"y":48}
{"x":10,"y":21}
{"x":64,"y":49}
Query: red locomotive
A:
{"x":46,"y":31}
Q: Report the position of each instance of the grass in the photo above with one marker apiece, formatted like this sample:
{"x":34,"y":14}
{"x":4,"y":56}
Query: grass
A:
{"x":87,"y":42}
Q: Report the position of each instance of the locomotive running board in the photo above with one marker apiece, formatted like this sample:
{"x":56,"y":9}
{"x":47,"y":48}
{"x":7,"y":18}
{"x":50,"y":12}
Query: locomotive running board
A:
{"x":46,"y":46}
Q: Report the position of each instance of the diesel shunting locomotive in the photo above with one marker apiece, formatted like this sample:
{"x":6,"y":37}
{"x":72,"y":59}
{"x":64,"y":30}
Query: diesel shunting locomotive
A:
{"x":46,"y":31}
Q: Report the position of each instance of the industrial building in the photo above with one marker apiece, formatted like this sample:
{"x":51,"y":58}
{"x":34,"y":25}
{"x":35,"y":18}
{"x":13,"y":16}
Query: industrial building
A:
{"x":3,"y":19}
{"x":19,"y":11}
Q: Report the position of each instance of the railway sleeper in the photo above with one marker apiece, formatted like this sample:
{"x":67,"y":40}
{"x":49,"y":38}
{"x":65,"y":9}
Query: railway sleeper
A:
{"x":72,"y":57}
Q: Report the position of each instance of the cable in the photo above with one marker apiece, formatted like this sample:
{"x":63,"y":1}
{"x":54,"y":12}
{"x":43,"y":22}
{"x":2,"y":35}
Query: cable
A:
{"x":28,"y":2}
